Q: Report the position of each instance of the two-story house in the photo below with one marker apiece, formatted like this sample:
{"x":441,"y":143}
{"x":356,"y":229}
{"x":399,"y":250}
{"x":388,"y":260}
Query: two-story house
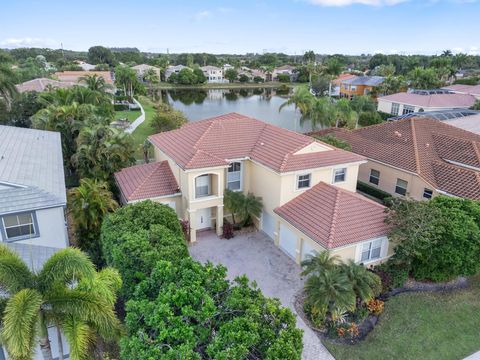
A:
{"x":418,"y":157}
{"x":359,"y":85}
{"x":32,"y":199}
{"x":307,"y":187}
{"x":213,"y":74}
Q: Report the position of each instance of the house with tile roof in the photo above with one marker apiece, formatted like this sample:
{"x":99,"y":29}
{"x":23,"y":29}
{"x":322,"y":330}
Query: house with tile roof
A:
{"x":142,"y":69}
{"x":76,"y":76}
{"x":43,"y":84}
{"x":418,"y":157}
{"x":32,"y":200}
{"x":419,"y":101}
{"x":473,"y":90}
{"x":307,"y":187}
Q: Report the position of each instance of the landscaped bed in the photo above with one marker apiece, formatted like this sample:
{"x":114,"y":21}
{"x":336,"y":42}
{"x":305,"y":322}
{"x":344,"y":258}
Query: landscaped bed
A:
{"x":422,"y":326}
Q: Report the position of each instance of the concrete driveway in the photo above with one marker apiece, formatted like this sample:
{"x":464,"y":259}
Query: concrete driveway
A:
{"x":276,"y":274}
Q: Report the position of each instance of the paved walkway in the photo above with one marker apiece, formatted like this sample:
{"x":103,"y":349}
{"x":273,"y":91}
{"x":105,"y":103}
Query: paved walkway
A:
{"x":138,"y":120}
{"x":475,"y":356}
{"x":275,"y":273}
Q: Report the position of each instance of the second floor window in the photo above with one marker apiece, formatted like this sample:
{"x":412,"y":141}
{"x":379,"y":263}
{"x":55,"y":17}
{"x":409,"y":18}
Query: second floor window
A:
{"x":374,"y":176}
{"x":427,"y":193}
{"x":407,"y":109}
{"x":19,"y":226}
{"x":371,"y":250}
{"x":401,"y":187}
{"x":303,"y":181}
{"x":202,"y":186}
{"x":339,"y":175}
{"x":234,"y":176}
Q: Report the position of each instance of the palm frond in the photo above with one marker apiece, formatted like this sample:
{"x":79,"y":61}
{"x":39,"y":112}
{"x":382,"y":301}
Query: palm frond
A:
{"x":14,"y":273}
{"x":79,"y":337}
{"x":66,"y":266}
{"x":20,"y":324}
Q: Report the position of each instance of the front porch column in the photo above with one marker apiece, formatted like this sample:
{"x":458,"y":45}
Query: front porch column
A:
{"x":298,"y":250}
{"x":219,"y":220}
{"x":192,"y":219}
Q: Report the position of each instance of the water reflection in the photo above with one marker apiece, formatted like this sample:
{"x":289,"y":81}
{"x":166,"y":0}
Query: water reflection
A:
{"x":260,"y":103}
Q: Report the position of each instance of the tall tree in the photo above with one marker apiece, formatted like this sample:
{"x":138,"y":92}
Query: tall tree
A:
{"x":88,"y":204}
{"x":8,"y":91}
{"x":67,"y":292}
{"x":101,"y":55}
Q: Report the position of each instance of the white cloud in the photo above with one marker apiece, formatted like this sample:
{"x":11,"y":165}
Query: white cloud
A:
{"x":29,"y":42}
{"x":201,"y":15}
{"x":351,"y":2}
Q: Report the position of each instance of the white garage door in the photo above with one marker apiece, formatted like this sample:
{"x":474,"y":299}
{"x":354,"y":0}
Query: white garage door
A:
{"x":307,"y":249}
{"x":268,"y":224}
{"x":288,"y":241}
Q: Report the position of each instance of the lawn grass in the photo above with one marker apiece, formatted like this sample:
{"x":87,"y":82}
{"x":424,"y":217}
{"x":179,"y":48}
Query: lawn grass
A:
{"x":130,"y":115}
{"x":422,"y":326}
{"x":145,"y":129}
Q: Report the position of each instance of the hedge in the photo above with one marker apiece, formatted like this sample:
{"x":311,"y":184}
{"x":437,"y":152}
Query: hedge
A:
{"x":370,"y":190}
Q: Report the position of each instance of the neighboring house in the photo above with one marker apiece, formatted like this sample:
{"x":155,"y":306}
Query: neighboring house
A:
{"x":424,"y":100}
{"x":226,"y":67}
{"x":75,"y":76}
{"x":417,"y":157}
{"x":359,"y":85}
{"x":307,"y":187}
{"x":32,"y":199}
{"x":43,"y":84}
{"x":465,"y":89}
{"x":84,"y":65}
{"x":213,"y":74}
{"x":173,"y":70}
{"x":285,"y":69}
{"x":143,"y":68}
{"x":336,"y":83}
{"x":465,"y":119}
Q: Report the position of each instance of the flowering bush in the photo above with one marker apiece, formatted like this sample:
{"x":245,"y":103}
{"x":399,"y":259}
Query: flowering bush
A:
{"x":375,"y":306}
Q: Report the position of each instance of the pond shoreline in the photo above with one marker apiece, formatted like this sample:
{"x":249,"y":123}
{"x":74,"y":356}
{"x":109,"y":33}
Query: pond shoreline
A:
{"x":272,"y":84}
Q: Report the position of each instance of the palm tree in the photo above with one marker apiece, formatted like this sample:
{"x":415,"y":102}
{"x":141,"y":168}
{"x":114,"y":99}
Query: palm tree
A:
{"x":7,"y":85}
{"x":90,"y":202}
{"x":146,"y":147}
{"x":332,"y":68}
{"x":251,"y":206}
{"x":96,"y":83}
{"x":446,"y":53}
{"x":364,"y":283}
{"x":322,"y":112}
{"x":344,"y":115}
{"x":330,"y":292}
{"x":232,"y":201}
{"x":302,"y":99}
{"x":67,"y":292}
{"x":319,"y":262}
{"x":151,"y":76}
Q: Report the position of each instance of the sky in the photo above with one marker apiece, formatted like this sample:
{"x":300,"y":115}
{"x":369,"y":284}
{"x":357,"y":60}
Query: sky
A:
{"x":237,"y":27}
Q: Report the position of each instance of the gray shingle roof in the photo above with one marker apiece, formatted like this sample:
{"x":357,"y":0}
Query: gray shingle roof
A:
{"x":33,"y":255}
{"x":31,"y":161}
{"x":365,"y":80}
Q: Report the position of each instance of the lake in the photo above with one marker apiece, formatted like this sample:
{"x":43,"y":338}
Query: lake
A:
{"x":259,"y":103}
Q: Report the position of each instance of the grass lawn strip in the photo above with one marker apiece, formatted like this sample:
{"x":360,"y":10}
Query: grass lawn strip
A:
{"x":422,"y":326}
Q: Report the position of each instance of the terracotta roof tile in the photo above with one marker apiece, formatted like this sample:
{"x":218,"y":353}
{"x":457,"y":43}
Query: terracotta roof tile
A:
{"x":334,"y":217}
{"x":147,"y":181}
{"x":430,"y":148}
{"x":212,"y":142}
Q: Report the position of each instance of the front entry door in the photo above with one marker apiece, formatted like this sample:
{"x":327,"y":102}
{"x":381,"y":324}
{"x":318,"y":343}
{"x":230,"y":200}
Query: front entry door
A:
{"x":204,"y":218}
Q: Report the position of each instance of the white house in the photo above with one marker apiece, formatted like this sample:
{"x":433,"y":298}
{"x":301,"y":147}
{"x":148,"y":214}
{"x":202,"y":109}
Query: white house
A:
{"x":173,"y":70}
{"x":32,"y":199}
{"x":143,"y":68}
{"x":213,"y":74}
{"x":419,"y":101}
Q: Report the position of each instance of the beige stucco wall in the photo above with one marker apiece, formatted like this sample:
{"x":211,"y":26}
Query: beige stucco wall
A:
{"x":350,"y":252}
{"x":388,"y":179}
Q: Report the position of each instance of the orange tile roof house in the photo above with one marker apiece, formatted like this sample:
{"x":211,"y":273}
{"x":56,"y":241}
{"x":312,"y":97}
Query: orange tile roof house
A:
{"x":418,"y":157}
{"x":196,"y":163}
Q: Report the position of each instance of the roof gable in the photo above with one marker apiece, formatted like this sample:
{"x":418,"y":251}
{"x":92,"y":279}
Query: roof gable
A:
{"x":334,"y":217}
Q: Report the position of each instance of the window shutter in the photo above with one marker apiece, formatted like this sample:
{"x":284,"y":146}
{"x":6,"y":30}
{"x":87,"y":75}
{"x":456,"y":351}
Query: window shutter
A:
{"x":385,"y":245}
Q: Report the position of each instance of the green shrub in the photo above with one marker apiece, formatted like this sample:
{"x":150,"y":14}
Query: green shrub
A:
{"x":191,"y":311}
{"x":120,"y":107}
{"x":373,"y":191}
{"x":439,"y":239}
